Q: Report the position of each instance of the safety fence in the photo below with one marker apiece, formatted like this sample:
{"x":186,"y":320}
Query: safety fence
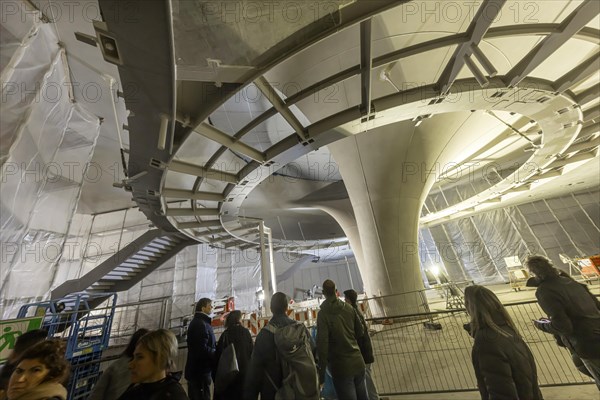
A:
{"x":412,"y":356}
{"x":431,"y":352}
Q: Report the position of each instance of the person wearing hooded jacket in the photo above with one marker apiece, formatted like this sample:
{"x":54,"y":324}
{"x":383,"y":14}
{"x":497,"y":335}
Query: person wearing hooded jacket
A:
{"x":338,"y":330}
{"x":573,"y":313}
{"x":504,"y":366}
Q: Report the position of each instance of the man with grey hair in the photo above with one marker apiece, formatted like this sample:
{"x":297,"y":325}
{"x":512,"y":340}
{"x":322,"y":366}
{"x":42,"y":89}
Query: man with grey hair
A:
{"x":338,"y":328}
{"x":573,"y":312}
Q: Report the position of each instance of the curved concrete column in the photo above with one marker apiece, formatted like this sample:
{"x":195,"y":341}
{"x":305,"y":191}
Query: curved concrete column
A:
{"x":388,"y":173}
{"x":341,"y":211}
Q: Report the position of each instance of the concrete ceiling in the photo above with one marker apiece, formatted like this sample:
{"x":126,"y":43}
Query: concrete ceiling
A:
{"x":239,"y":44}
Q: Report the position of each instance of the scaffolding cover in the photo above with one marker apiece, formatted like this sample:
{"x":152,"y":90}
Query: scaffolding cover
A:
{"x":52,"y":139}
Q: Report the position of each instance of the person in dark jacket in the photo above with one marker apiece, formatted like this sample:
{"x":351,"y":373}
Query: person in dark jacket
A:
{"x":365,"y":345}
{"x":116,"y":379}
{"x":241,"y":339}
{"x":152,"y":369}
{"x":503,"y":364}
{"x":534,"y":281}
{"x":573,"y":312}
{"x":201,"y":352}
{"x":338,"y":331}
{"x":264,"y":361}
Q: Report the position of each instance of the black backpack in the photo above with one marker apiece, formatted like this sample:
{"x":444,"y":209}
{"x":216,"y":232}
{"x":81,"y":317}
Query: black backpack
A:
{"x":299,"y":371}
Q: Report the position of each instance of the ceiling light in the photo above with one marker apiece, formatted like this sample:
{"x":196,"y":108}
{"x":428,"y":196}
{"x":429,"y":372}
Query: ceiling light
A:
{"x":384,"y":76}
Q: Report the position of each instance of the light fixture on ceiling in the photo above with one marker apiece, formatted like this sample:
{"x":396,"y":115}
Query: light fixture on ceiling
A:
{"x":535,"y":145}
{"x":107,"y":43}
{"x":419,"y":120}
{"x":384,"y":76}
{"x":162,"y":132}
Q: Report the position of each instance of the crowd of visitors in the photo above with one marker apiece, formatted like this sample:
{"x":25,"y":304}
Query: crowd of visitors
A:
{"x":285,"y":361}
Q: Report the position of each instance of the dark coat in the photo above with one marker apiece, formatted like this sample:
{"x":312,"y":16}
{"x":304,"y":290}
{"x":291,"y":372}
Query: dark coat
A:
{"x":574,"y":314}
{"x":364,"y":343}
{"x":201,"y":347}
{"x":5,"y":373}
{"x":242,"y":340}
{"x":504,"y":366}
{"x":264,"y":361}
{"x":165,"y":389}
{"x":338,"y":329}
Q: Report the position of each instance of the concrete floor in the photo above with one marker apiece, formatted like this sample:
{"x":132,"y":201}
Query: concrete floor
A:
{"x":577,"y":392}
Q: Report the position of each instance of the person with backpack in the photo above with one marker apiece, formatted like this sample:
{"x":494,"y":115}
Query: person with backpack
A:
{"x":338,"y":330}
{"x":364,"y":343}
{"x":282,"y":365}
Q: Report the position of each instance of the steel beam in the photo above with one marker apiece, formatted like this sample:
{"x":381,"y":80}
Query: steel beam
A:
{"x":191,"y":195}
{"x":588,"y":95}
{"x":188,"y":212}
{"x":485,"y":16}
{"x":578,"y":74}
{"x":196,"y":170}
{"x":198,"y":224}
{"x":581,"y":16}
{"x":217,"y":135}
{"x":280,"y":106}
{"x":365,"y":66}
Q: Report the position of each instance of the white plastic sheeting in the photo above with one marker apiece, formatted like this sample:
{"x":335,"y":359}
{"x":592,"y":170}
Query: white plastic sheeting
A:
{"x":24,"y":79}
{"x":203,"y":271}
{"x":474,"y":248}
{"x":48,"y":141}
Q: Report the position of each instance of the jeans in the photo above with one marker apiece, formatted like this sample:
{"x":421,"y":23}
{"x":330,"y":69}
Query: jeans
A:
{"x":351,"y":387}
{"x":371,"y":389}
{"x":199,"y":389}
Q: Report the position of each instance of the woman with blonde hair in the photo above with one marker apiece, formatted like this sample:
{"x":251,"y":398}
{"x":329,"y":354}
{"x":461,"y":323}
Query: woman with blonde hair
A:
{"x":152,"y":369}
{"x":115,"y":380}
{"x":504,"y":365}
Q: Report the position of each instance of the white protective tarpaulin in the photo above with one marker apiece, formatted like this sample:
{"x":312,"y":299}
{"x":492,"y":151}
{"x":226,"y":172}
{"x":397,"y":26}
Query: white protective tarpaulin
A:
{"x":47,"y":144}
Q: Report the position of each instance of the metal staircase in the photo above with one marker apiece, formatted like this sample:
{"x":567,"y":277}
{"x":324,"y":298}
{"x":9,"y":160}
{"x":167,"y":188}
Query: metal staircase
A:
{"x":127,"y":267}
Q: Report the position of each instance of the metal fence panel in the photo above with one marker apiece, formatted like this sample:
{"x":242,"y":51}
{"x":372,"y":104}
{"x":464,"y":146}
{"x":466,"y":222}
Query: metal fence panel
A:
{"x":409,"y":358}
